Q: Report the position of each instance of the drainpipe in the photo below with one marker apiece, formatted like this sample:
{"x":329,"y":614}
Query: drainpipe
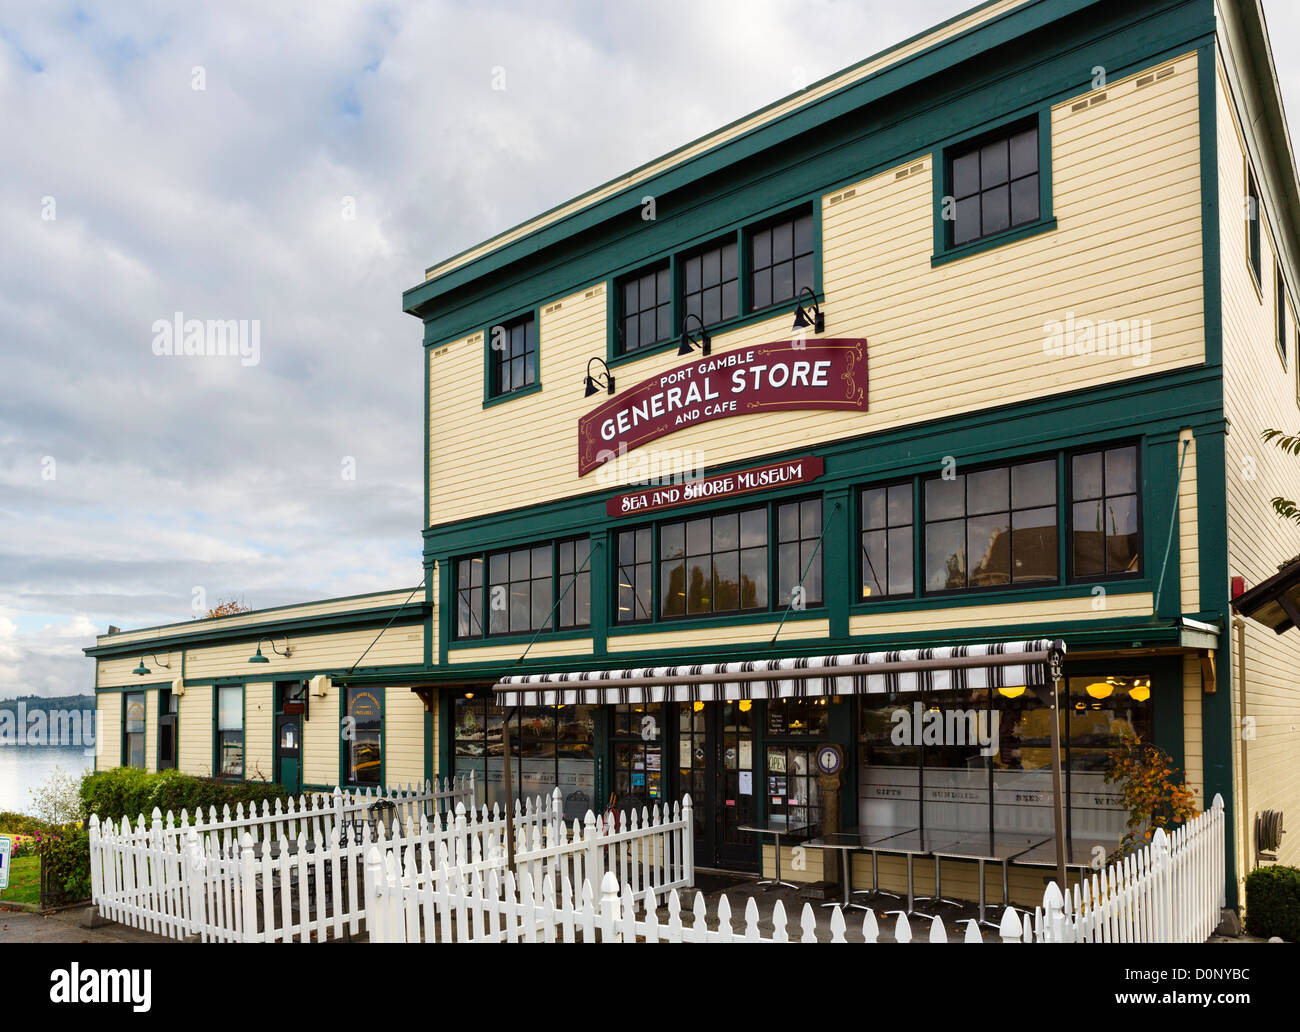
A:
{"x":1240,"y":623}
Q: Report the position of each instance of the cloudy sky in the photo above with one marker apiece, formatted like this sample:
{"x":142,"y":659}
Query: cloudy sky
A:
{"x":203,"y":159}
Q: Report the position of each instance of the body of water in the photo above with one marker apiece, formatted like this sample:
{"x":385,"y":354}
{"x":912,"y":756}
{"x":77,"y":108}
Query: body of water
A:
{"x":23,"y":768}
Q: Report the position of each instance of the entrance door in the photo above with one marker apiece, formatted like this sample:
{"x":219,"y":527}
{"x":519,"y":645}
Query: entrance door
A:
{"x":716,"y":766}
{"x":291,"y":710}
{"x":167,"y":705}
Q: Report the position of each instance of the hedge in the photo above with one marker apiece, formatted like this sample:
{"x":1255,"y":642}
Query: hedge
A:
{"x":129,"y":792}
{"x":1273,"y":902}
{"x":65,"y":866}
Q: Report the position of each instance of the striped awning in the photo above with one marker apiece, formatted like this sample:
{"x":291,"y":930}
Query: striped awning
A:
{"x":945,"y":668}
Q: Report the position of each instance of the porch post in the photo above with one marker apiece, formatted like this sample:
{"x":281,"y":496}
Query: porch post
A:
{"x":1054,"y":667}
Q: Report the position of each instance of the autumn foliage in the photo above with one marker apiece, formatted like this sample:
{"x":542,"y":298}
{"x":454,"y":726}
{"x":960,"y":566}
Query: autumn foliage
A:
{"x":227,"y":607}
{"x":1153,"y":790}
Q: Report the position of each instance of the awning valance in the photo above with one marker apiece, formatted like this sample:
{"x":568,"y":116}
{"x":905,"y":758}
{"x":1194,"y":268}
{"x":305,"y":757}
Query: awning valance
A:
{"x":947,"y":668}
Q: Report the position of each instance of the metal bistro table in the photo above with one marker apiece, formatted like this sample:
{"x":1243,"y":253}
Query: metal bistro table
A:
{"x":1078,"y":853}
{"x":852,"y":840}
{"x":982,"y":848}
{"x":776,"y":827}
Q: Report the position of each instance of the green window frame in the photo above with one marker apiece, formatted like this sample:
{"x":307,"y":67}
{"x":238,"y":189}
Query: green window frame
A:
{"x":1280,"y":287}
{"x":361,"y":746}
{"x":645,"y":308}
{"x":998,"y":512}
{"x":887,"y":540}
{"x":228,"y":724}
{"x":993,"y":187}
{"x":710,"y":282}
{"x":542,"y":586}
{"x":681,"y":558}
{"x":133,"y":728}
{"x":1105,"y":495}
{"x":1254,"y":238}
{"x":511,"y":358}
{"x":781,"y":259}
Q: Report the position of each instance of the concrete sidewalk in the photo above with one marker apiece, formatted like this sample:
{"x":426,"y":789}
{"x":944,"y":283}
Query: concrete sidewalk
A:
{"x":64,"y":926}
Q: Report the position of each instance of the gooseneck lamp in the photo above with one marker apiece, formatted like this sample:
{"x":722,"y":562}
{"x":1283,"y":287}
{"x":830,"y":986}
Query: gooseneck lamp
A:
{"x":592,"y":384}
{"x":688,"y":342}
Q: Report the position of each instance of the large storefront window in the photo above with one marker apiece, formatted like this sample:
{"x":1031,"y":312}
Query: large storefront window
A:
{"x":365,"y":747}
{"x":888,"y":540}
{"x":980,"y":761}
{"x":795,"y":730}
{"x":133,"y":716}
{"x":551,"y":746}
{"x":230,"y":730}
{"x":798,"y":536}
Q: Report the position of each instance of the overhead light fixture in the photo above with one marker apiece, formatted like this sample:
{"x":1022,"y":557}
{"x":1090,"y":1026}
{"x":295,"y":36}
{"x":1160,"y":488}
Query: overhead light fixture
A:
{"x":688,"y":343}
{"x":1100,"y":689}
{"x":1012,"y":691}
{"x":801,"y":317}
{"x":592,"y":384}
{"x":745,"y":705}
{"x":259,"y":658}
{"x":1140,"y":692}
{"x":141,"y":670}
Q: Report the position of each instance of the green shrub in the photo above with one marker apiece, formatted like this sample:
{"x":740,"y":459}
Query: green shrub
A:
{"x":65,"y":864}
{"x":129,"y":792}
{"x":1273,"y":902}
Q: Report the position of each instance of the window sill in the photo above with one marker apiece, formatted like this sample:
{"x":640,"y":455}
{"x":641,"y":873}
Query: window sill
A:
{"x":952,"y":254}
{"x":498,"y":399}
{"x":675,"y":623}
{"x":1133,"y":583}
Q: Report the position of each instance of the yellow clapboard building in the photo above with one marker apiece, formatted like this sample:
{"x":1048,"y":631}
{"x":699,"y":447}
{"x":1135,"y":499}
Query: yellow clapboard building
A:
{"x":972,"y":342}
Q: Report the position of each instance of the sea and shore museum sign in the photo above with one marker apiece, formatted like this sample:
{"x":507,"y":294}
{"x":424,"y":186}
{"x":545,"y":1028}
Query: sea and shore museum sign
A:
{"x":778,"y":376}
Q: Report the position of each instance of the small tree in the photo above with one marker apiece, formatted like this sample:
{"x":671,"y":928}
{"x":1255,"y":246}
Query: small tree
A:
{"x":227,"y":607}
{"x":1153,"y":790}
{"x":58,"y":800}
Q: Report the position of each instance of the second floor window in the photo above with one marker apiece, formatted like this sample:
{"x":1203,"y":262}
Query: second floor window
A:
{"x":645,"y":318}
{"x":991,"y":528}
{"x":887,"y":541}
{"x":710,"y":284}
{"x":994,"y":186}
{"x":1252,"y":227}
{"x":1104,"y":538}
{"x":714,"y":564}
{"x":512,"y":356}
{"x":518,"y":590}
{"x":781,"y":261}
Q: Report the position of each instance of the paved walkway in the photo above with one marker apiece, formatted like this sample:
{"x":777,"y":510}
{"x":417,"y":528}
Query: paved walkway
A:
{"x":64,"y":926}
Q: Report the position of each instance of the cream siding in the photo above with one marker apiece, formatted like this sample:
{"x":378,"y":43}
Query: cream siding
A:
{"x":108,"y":730}
{"x":321,"y":741}
{"x":740,"y":634}
{"x":1046,"y":612}
{"x":1189,"y":540}
{"x":259,"y":732}
{"x":117,"y":672}
{"x":944,"y":340}
{"x":194,"y":731}
{"x":508,"y":653}
{"x":151,"y":730}
{"x":403,"y":737}
{"x":1259,"y":393}
{"x":322,"y":651}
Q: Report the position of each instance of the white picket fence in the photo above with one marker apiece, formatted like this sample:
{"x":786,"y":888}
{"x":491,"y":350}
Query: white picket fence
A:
{"x":296,"y":872}
{"x":1172,"y":890}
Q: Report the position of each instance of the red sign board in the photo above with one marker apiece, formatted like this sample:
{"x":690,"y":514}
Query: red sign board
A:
{"x":779,"y":376}
{"x":721,"y":485}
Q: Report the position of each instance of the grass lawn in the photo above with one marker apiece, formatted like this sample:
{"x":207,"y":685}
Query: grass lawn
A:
{"x":24,"y":881}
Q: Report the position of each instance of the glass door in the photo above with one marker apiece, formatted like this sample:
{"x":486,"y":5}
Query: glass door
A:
{"x":715,"y":757}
